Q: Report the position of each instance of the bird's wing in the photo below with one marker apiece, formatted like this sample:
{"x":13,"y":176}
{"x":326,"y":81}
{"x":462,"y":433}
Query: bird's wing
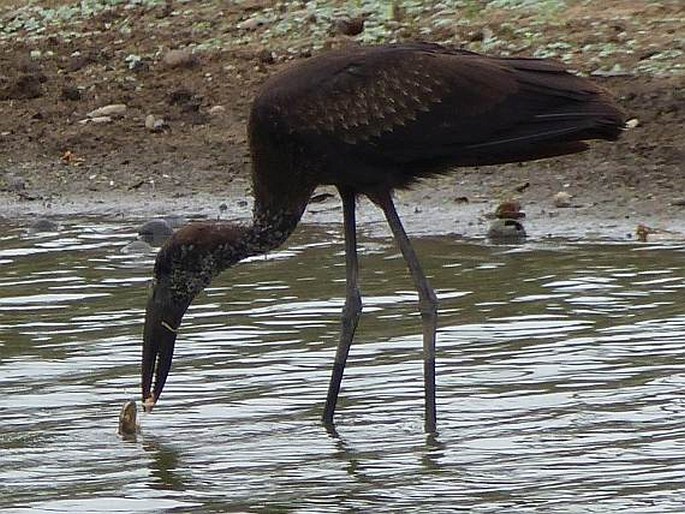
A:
{"x":410,"y":103}
{"x":358,"y":96}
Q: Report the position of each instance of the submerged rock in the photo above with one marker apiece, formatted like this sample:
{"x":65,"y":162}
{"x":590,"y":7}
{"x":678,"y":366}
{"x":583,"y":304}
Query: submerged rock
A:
{"x":136,"y":247}
{"x":44,"y":225}
{"x":506,"y":231}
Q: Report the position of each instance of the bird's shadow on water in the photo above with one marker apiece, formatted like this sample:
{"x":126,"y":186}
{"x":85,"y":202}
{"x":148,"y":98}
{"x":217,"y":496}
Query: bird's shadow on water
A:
{"x":431,"y":453}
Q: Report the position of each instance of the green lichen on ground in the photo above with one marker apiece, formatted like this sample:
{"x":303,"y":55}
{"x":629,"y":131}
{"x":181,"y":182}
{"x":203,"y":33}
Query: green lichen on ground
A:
{"x":638,"y":37}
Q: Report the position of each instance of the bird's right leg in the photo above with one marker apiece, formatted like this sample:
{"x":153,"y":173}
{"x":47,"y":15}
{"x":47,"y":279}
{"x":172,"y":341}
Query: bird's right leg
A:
{"x":353,"y":304}
{"x":428,"y":303}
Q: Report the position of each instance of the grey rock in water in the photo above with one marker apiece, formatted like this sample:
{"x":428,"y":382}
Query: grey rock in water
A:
{"x":44,"y":225}
{"x":155,"y":232}
{"x":138,"y":247}
{"x":506,"y":230}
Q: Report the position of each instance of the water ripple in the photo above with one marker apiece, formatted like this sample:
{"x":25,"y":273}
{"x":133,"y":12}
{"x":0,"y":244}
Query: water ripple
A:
{"x":560,"y":378}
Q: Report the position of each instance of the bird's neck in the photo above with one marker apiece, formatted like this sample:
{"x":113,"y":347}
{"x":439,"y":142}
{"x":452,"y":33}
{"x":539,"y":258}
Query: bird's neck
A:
{"x":270,"y":228}
{"x":234,"y":243}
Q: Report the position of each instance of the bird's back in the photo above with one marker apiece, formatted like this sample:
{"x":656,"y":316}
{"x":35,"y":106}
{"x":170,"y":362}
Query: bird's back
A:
{"x":384,"y":116}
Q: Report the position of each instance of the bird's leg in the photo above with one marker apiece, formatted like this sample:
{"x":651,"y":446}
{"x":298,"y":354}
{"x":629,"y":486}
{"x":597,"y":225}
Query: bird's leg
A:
{"x":428,"y":303}
{"x":353,"y":305}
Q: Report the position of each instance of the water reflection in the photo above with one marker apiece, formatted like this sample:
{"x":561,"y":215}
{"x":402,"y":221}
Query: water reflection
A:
{"x":165,"y":466}
{"x":560,"y":376}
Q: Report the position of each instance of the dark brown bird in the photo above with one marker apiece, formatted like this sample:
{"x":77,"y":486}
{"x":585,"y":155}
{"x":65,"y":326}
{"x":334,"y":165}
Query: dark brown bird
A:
{"x":368,"y":121}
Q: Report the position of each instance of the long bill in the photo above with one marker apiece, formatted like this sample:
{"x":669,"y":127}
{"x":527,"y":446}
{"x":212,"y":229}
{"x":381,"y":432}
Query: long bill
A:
{"x":162,"y":319}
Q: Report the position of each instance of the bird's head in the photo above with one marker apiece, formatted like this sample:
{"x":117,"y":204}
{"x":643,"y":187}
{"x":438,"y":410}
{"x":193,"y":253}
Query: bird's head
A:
{"x":185,"y":265}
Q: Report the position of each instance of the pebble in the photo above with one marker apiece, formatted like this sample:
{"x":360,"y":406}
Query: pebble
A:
{"x":216,"y":110}
{"x":155,"y":124}
{"x":350,"y":26}
{"x":100,"y":119}
{"x":155,"y":232}
{"x":252,"y":23}
{"x":180,"y":59}
{"x":108,"y":110}
{"x":562,"y":199}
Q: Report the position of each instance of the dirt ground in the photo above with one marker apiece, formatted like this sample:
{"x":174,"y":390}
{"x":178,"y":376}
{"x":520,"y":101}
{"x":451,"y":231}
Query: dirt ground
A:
{"x":187,"y":72}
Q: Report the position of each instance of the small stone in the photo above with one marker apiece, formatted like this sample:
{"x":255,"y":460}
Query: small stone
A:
{"x":154,"y":124}
{"x":108,"y":110}
{"x":632,"y":123}
{"x":350,"y":26}
{"x":101,"y":119}
{"x":615,"y":71}
{"x":562,"y":200}
{"x":136,"y":63}
{"x":180,"y":59}
{"x":252,"y":23}
{"x":216,"y":110}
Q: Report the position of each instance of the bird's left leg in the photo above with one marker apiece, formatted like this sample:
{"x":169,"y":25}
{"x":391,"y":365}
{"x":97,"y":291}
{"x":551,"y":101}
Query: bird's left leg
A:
{"x":428,"y":303}
{"x":353,"y":304}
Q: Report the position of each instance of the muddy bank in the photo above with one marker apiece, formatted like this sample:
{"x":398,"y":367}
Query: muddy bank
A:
{"x":445,"y":206}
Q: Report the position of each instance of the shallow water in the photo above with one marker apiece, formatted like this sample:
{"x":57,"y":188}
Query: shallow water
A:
{"x":561,"y":378}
